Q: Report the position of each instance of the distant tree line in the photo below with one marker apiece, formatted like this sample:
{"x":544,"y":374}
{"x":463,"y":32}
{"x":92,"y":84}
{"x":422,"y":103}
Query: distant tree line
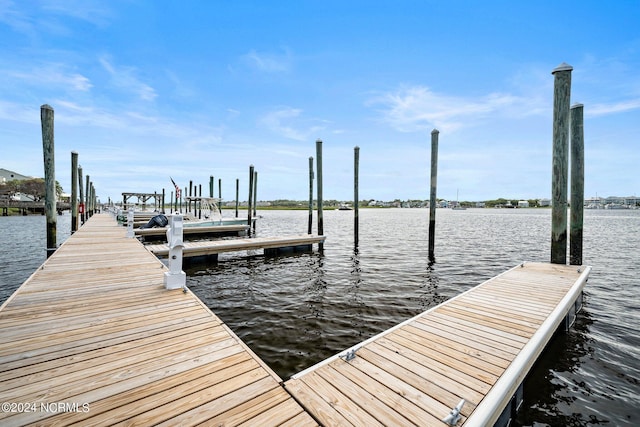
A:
{"x":33,"y":188}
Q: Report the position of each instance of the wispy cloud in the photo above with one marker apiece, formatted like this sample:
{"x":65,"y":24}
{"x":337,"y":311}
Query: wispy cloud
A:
{"x":288,"y":123}
{"x":606,"y":109}
{"x":125,"y":78}
{"x":53,"y":75}
{"x":418,"y":108}
{"x":269,"y":62}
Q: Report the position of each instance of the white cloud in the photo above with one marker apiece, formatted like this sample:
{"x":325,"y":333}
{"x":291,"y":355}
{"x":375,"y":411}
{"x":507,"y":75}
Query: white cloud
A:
{"x":605,"y":109}
{"x":418,"y":108}
{"x":269,"y":62}
{"x":125,"y":78}
{"x":54,"y":75}
{"x":288,"y":123}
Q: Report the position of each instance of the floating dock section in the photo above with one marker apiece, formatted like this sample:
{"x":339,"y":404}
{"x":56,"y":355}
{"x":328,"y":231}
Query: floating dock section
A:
{"x":271,"y":245}
{"x":94,"y":338}
{"x":461,"y":363}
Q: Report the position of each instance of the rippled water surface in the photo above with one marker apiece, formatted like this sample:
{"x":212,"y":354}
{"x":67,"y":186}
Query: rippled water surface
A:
{"x":294,"y":311}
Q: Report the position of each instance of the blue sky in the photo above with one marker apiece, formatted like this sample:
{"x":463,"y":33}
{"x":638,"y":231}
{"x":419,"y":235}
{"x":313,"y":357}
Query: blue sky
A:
{"x":145,"y":90}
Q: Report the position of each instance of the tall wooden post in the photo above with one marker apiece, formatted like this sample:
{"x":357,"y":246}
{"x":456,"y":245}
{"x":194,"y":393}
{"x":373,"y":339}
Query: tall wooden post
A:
{"x":356,"y":171}
{"x":255,"y":198}
{"x":46,"y":119}
{"x":319,"y":172}
{"x":74,"y":192}
{"x":220,"y":195}
{"x":577,"y":185}
{"x":560,"y":162}
{"x":81,"y":193}
{"x":211,"y":181}
{"x":87,"y":197}
{"x":163,"y":196}
{"x":432,"y":194}
{"x":250,"y":196}
{"x":310,"y":227}
{"x":237,"y":194}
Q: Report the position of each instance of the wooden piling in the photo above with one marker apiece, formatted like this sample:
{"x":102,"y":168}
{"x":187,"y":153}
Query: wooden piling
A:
{"x":81,"y":194}
{"x":310,"y":225}
{"x":319,"y":172}
{"x":250,"y":195}
{"x":220,"y":194}
{"x":87,"y":196}
{"x":356,"y":171}
{"x":255,"y":198}
{"x":560,"y":162}
{"x":211,"y":181}
{"x":74,"y":192}
{"x":432,"y":194}
{"x":577,"y":185}
{"x":237,"y":194}
{"x":46,"y":119}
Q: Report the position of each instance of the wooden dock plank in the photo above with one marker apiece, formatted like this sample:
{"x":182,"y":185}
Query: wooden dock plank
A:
{"x":94,"y":327}
{"x":470,"y":347}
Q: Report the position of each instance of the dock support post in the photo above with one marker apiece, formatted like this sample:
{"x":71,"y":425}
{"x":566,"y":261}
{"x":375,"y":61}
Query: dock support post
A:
{"x":220,"y":195}
{"x":87,"y":197}
{"x":74,"y":192}
{"x":319,"y":172}
{"x":211,"y":181}
{"x":356,"y":171}
{"x":130,"y":233}
{"x":577,"y":185}
{"x":250,"y":197}
{"x":237,"y":194}
{"x":255,"y":199}
{"x":310,"y":225}
{"x":560,"y":162}
{"x":432,"y":194}
{"x":175,"y":278}
{"x":46,"y":118}
{"x":81,"y":207}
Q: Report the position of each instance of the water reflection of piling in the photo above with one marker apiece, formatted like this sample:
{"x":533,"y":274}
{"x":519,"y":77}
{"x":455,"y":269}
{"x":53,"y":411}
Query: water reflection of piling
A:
{"x":46,"y":118}
{"x":432,"y":195}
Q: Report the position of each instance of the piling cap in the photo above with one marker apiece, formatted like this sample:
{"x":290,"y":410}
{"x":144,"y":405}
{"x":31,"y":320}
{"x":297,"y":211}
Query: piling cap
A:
{"x":435,"y":131}
{"x":562,"y":67}
{"x":578,"y":105}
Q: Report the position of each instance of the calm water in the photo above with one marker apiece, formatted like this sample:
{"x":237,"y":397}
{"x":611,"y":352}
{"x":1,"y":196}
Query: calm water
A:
{"x":297,"y":310}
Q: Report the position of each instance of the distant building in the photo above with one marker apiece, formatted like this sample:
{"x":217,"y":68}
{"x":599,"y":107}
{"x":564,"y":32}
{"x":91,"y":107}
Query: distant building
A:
{"x":544,"y":202}
{"x":7,"y":175}
{"x":480,"y":204}
{"x":523,"y":204}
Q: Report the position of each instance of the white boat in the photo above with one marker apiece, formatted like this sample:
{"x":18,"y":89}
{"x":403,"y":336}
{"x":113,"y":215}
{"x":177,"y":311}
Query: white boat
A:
{"x":206,"y":213}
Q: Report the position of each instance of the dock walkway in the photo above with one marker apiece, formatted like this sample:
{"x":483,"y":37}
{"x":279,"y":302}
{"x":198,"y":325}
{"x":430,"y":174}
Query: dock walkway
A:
{"x":478,"y":346}
{"x":92,"y":337}
{"x":235,"y":245}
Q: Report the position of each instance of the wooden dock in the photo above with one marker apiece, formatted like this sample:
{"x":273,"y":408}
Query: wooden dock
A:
{"x":478,"y":346}
{"x":215,"y":247}
{"x":92,"y":337}
{"x":208,"y":230}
